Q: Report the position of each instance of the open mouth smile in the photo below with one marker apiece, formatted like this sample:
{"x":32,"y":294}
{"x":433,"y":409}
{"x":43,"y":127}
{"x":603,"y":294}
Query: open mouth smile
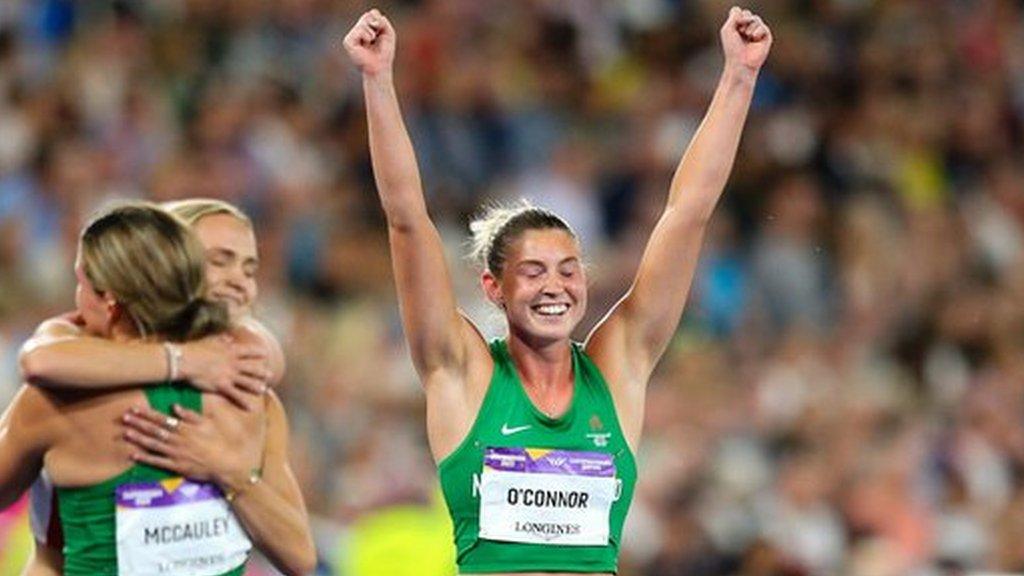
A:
{"x":220,"y":297}
{"x":550,"y":309}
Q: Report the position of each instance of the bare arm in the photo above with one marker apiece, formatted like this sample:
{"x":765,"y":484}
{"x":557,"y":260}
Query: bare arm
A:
{"x":46,"y":560}
{"x":61,"y":355}
{"x":272,"y":510}
{"x":435,"y":330}
{"x":633,"y":336}
{"x":23,"y":443}
{"x":275,"y":353}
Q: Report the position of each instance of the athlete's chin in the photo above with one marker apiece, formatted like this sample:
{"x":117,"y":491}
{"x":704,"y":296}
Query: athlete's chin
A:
{"x":553,"y":331}
{"x":236,"y":310}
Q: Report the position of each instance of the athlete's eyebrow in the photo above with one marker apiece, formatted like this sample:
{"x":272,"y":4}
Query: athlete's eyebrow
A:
{"x":529,"y":264}
{"x":222,"y":251}
{"x":536,"y":262}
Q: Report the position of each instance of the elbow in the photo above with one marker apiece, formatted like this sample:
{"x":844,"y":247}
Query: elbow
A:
{"x":695,"y":216}
{"x":34,"y":365}
{"x":297,"y":558}
{"x":406,"y":220}
{"x":303,"y":564}
{"x":399,"y":225}
{"x":307,"y":560}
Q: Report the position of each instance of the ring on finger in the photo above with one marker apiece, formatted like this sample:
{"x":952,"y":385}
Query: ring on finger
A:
{"x":171,"y":423}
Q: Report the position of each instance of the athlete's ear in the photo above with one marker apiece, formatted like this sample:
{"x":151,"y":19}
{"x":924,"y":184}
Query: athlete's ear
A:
{"x":113,"y":308}
{"x":492,"y":289}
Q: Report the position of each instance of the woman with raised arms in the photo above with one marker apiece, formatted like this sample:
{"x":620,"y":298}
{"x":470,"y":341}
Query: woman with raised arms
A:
{"x":534,"y":435}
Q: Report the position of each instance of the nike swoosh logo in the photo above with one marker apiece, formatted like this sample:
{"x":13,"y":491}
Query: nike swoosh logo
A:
{"x":506,"y":431}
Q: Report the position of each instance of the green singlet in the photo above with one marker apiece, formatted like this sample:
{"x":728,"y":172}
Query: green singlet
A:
{"x":537,"y":509}
{"x":87,"y":514}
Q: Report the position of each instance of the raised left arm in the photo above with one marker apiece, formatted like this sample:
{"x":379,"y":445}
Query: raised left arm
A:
{"x":631,"y":339}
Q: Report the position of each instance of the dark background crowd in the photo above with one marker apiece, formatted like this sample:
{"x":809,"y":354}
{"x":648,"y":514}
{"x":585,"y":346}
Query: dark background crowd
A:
{"x":846,"y":392}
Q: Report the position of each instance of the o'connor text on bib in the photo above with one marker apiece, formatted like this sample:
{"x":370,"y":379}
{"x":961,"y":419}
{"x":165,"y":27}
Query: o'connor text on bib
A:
{"x":542,"y":496}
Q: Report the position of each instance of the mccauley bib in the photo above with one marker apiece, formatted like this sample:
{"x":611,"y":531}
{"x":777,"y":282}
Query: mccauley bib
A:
{"x":176,"y":526}
{"x":147,"y":522}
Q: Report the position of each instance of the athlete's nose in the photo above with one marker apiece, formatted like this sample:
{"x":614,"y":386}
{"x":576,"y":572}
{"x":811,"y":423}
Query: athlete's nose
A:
{"x":235,"y":281}
{"x":553,"y":286}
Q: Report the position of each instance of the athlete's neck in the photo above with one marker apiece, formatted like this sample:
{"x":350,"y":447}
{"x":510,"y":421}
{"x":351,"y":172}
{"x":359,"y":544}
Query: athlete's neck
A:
{"x":545,"y":367}
{"x":123,"y":331}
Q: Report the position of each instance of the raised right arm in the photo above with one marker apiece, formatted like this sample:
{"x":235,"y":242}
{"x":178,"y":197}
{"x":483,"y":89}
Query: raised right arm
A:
{"x":437,"y":333}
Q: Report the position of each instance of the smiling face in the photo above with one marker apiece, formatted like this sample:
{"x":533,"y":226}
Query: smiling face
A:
{"x":231,"y":261}
{"x":542,"y":286}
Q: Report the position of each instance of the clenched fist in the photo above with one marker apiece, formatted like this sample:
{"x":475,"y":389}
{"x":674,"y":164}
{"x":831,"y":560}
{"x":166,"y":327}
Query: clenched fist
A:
{"x":371,"y":44}
{"x":746,"y":39}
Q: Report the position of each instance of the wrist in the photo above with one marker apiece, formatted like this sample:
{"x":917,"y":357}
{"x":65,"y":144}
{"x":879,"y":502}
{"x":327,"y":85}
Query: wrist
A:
{"x":238,"y":482}
{"x":173,"y":357}
{"x":739,"y":74}
{"x":381,"y":79}
{"x":186,"y":362}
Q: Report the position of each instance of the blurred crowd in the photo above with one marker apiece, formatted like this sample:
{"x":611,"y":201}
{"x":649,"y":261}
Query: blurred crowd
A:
{"x":846,"y":392}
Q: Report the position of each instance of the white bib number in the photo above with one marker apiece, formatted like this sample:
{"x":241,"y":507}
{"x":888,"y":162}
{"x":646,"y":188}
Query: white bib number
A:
{"x":177,"y":527}
{"x":540,"y":496}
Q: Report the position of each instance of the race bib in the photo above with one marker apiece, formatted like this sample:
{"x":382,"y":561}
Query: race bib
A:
{"x":543,"y":496}
{"x":177,"y":527}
